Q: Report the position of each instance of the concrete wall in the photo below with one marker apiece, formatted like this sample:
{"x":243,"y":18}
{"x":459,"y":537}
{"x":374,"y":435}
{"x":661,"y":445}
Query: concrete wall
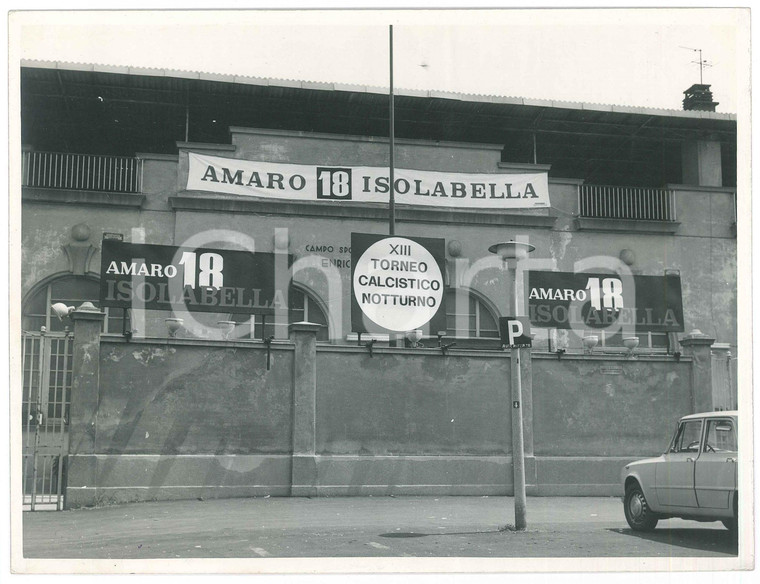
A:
{"x":591,"y":416}
{"x":188,"y":418}
{"x":181,"y":419}
{"x":426,"y":403}
{"x":330,"y":149}
{"x":193,"y":399}
{"x":604,"y":407}
{"x":412,"y":421}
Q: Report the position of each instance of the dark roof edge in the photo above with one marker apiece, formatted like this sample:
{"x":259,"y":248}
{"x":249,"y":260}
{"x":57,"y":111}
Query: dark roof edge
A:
{"x":324,"y":86}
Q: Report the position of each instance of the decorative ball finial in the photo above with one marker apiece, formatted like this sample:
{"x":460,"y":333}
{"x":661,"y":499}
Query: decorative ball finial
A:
{"x":281,"y":240}
{"x":628,"y":257}
{"x":455,"y":248}
{"x":81,"y":232}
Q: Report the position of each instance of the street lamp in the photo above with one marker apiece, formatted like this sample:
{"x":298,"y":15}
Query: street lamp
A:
{"x":512,"y":252}
{"x":515,"y":251}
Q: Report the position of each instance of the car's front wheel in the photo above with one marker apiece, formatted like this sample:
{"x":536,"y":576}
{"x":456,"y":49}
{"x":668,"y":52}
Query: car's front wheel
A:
{"x":637,"y":512}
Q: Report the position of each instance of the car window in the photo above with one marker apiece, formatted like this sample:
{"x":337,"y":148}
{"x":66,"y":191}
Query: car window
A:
{"x":688,"y":436}
{"x":721,"y":436}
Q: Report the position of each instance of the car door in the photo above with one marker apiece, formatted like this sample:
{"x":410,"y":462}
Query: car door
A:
{"x":674,"y":475}
{"x":715,"y":469}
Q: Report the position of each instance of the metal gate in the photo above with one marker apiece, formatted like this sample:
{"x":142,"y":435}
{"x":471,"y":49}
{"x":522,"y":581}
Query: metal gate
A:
{"x":46,"y":363}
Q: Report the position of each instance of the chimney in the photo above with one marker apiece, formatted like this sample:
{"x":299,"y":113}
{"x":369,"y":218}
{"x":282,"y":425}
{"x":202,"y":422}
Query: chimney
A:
{"x":699,"y":97}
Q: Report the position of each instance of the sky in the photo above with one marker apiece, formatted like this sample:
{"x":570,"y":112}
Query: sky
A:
{"x":632,"y":57}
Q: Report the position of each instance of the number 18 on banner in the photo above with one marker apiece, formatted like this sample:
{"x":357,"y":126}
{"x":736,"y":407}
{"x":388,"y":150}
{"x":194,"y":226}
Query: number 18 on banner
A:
{"x":515,"y":332}
{"x":333,"y":183}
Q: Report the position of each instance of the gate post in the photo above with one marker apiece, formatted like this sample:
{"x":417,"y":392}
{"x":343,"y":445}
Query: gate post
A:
{"x":724,"y":392}
{"x":85,"y":381}
{"x":697,"y":345}
{"x":304,"y":466}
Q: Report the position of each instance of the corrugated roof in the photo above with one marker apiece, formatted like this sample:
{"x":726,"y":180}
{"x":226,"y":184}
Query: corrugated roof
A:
{"x":329,"y":86}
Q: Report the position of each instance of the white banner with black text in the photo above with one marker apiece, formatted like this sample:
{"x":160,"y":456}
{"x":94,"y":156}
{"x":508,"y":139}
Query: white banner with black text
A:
{"x":366,"y":184}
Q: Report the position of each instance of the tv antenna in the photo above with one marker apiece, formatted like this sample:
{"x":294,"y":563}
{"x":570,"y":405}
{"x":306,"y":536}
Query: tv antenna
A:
{"x":702,"y":62}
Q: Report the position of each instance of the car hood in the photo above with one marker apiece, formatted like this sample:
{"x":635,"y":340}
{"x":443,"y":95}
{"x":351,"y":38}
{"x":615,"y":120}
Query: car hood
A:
{"x":644,"y":461}
{"x":639,"y":465}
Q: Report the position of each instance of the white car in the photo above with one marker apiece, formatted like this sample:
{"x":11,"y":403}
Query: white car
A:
{"x":694,"y":479}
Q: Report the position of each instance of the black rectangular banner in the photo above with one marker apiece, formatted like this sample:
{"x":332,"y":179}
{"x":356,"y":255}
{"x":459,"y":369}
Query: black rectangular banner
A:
{"x":566,"y":300}
{"x":164,"y":277}
{"x":397,"y":284}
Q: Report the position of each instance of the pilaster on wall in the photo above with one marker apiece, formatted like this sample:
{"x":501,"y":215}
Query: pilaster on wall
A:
{"x":304,"y":470}
{"x":701,"y":163}
{"x":85,"y":381}
{"x":697,"y":345}
{"x":724,"y":388}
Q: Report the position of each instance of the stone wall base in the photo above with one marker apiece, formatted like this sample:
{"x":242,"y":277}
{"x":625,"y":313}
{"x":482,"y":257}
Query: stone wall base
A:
{"x":97,"y":480}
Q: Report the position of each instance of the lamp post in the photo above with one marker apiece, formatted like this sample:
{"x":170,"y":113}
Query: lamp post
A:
{"x":512,"y":252}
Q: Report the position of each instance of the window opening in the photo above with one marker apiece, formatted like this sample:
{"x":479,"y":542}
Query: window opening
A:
{"x":71,"y":291}
{"x":301,"y":307}
{"x":481,"y":323}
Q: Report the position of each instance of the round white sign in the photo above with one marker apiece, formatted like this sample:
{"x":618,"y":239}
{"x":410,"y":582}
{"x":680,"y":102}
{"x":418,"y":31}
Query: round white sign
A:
{"x":398,"y":284}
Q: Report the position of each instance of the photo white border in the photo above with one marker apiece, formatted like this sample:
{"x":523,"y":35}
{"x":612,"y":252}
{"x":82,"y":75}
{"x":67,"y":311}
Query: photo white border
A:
{"x":393,"y":565}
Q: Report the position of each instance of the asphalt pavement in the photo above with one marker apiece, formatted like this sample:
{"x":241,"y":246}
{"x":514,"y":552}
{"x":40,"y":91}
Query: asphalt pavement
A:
{"x":364,"y":527}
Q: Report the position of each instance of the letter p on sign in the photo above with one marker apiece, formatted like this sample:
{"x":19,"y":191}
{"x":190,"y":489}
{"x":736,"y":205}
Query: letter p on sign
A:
{"x":515,"y":331}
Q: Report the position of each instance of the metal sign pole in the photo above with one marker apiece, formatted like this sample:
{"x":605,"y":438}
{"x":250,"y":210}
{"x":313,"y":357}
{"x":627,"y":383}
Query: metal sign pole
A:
{"x":392,"y":201}
{"x":518,"y":448}
{"x":511,"y":252}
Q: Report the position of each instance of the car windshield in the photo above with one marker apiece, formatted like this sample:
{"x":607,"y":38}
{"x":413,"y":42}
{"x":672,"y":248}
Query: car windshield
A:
{"x":687,"y":436}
